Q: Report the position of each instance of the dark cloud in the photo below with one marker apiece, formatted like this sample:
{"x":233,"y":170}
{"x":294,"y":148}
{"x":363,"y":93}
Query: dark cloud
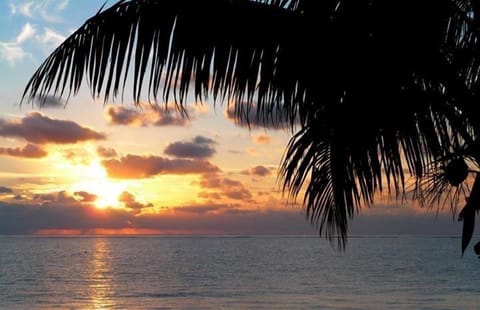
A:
{"x":238,"y":193}
{"x":217,"y":181}
{"x":28,"y":151}
{"x":41,"y":129}
{"x":192,"y":219}
{"x":206,"y":209}
{"x":210,"y":195}
{"x":199,"y":147}
{"x":144,"y":116}
{"x":221,"y":187}
{"x":60,"y":197}
{"x":47,"y":197}
{"x":203,"y":140}
{"x":274,"y":119}
{"x":49,"y":101}
{"x":106,"y":152}
{"x":30,"y":219}
{"x":260,"y":171}
{"x":207,"y":219}
{"x":130,"y":202}
{"x":5,"y":190}
{"x":85,"y":196}
{"x":138,"y":166}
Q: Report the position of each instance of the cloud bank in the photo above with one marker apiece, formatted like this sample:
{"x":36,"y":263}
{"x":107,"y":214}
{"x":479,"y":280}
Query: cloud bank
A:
{"x":28,"y":151}
{"x":143,"y":116}
{"x":146,"y":166}
{"x":41,"y":129}
{"x":194,"y":219}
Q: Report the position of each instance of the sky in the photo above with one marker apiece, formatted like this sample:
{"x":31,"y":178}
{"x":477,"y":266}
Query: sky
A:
{"x":92,"y":168}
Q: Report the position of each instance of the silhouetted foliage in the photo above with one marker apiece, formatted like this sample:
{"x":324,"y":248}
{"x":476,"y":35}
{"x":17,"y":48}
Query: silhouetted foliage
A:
{"x":382,"y":90}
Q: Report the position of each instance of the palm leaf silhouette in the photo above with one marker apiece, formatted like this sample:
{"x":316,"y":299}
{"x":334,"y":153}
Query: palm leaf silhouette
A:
{"x":381,"y":89}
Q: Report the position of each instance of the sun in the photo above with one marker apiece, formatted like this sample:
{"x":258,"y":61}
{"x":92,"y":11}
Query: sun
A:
{"x":107,"y":194}
{"x":94,"y":180}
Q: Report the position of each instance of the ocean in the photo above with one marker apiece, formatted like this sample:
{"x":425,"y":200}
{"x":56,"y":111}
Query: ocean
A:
{"x":236,"y":272}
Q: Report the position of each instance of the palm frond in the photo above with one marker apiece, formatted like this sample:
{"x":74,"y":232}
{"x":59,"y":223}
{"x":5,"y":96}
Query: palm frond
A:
{"x":346,"y":155}
{"x":380,"y":88}
{"x":226,"y":47}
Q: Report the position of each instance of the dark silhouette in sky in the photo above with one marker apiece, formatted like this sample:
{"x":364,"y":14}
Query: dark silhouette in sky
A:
{"x":376,"y":90}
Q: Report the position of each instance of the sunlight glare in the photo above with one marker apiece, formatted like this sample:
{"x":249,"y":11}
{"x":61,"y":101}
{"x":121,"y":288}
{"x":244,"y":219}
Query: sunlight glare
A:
{"x":95,"y":181}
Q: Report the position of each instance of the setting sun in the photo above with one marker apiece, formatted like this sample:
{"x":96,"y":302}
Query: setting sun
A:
{"x":107,"y":193}
{"x":94,"y":180}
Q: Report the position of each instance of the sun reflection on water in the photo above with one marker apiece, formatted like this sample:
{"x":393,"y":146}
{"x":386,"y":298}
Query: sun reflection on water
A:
{"x":101,"y":280}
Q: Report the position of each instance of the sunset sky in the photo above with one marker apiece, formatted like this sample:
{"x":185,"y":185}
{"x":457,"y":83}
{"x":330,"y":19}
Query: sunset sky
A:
{"x":92,"y":168}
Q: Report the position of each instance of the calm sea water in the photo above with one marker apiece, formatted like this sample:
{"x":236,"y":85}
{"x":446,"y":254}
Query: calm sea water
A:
{"x":236,"y":273}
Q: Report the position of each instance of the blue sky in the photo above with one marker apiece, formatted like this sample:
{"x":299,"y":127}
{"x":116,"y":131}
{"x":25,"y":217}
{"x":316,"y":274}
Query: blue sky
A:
{"x":137,"y":170}
{"x":29,"y":30}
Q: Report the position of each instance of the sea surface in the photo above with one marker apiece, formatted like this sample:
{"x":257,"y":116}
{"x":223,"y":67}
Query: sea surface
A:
{"x":236,"y":272}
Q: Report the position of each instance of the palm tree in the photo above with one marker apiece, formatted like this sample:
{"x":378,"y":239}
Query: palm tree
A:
{"x":378,"y":90}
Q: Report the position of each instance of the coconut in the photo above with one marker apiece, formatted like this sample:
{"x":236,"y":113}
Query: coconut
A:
{"x":456,"y":171}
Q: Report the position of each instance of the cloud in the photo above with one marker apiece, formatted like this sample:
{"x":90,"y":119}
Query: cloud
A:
{"x":192,"y":219}
{"x":130,"y":202}
{"x":5,"y":190}
{"x":199,"y":147}
{"x":85,"y":196}
{"x":13,"y":51}
{"x":26,"y":33}
{"x":62,"y":5}
{"x":262,"y":139}
{"x":25,"y":9}
{"x":126,"y":197}
{"x":146,"y":115}
{"x":138,"y":166}
{"x":58,"y":212}
{"x":28,"y":151}
{"x":50,"y":39}
{"x":208,"y":209}
{"x":106,"y":152}
{"x":220,"y":187}
{"x":239,"y":193}
{"x":210,"y":195}
{"x":260,"y":171}
{"x":41,"y":129}
{"x":60,"y":197}
{"x":49,"y":101}
{"x":46,"y":10}
{"x":29,"y":219}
